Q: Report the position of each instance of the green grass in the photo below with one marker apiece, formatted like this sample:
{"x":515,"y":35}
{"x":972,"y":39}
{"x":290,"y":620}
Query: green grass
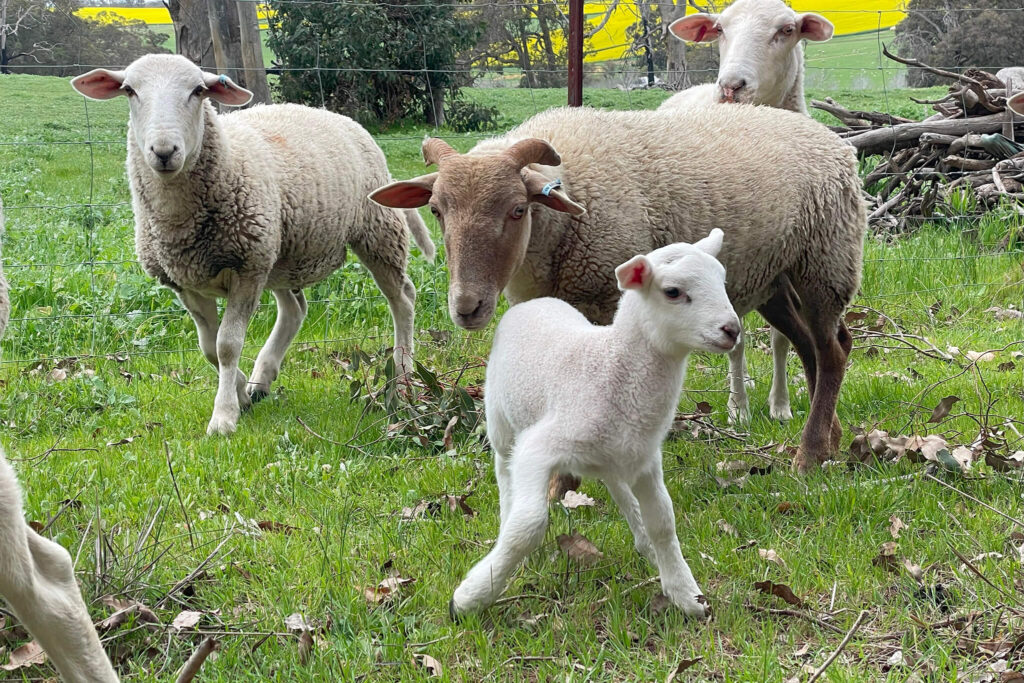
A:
{"x":133,"y":370}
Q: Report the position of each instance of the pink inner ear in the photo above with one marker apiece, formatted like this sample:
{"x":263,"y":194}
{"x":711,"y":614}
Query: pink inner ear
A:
{"x":637,"y":276}
{"x":701,"y":33}
{"x":402,"y":196}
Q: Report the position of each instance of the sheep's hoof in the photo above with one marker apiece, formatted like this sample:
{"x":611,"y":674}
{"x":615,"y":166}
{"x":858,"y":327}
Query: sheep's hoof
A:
{"x":257,"y":395}
{"x":781,"y":414}
{"x":221,"y":425}
{"x":804,"y":462}
{"x":452,"y":612}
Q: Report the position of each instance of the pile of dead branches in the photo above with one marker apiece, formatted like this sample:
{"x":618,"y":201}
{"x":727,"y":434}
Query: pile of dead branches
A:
{"x":967,"y":147}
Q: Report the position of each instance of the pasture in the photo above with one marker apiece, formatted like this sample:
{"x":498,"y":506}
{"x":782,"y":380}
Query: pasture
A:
{"x":342,"y":511}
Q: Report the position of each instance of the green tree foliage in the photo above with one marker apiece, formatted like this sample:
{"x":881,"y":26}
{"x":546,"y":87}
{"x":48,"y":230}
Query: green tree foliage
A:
{"x":51,"y":40}
{"x":957,"y":34}
{"x":376,"y":62}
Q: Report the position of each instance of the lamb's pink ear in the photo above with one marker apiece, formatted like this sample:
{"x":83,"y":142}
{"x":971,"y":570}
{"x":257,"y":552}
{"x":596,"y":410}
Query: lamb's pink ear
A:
{"x":406,"y":194}
{"x":814,"y":27}
{"x":543,"y":190}
{"x":99,"y":84}
{"x":712,"y":244}
{"x":636,"y":273}
{"x":1017,"y":103}
{"x":696,"y":28}
{"x":224,"y":90}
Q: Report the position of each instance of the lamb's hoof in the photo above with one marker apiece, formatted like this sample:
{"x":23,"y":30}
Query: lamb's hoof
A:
{"x":452,"y":612}
{"x":696,"y":608}
{"x":781,"y":414}
{"x":739,"y":417}
{"x":221,"y":425}
{"x":257,"y":395}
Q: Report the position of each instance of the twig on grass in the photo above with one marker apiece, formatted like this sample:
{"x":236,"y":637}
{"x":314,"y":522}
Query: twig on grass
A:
{"x":642,"y":584}
{"x":970,"y":497}
{"x":846,"y":639}
{"x":977,"y":572}
{"x":795,"y":613}
{"x":195,"y":572}
{"x":181,"y":503}
{"x":319,"y":436}
{"x":195,"y":662}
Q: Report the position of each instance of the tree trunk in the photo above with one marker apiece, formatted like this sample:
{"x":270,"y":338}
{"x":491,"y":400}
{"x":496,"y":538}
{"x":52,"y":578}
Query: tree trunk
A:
{"x":192,"y":31}
{"x":435,"y":110}
{"x":676,"y":76}
{"x":227,"y":39}
{"x":254,"y":72}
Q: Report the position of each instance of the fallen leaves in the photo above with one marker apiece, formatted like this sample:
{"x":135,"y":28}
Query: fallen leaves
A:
{"x":942,"y":409}
{"x":769,"y":555}
{"x":726,"y":528}
{"x":275,"y":527}
{"x":574,"y":499}
{"x":432,"y":666}
{"x":459,"y":504}
{"x":123,"y":609}
{"x":186,"y":619}
{"x":386,"y":590}
{"x":896,"y":525}
{"x":682,"y":666}
{"x":29,"y":654}
{"x":779,"y":590}
{"x":579,"y":549}
{"x":886,"y":557}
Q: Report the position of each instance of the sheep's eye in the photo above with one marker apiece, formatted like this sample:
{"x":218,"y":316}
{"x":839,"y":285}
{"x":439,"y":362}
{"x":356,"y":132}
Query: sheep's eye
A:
{"x":518,"y":212}
{"x":676,"y":294}
{"x":719,"y":30}
{"x":437,"y":214}
{"x":198,"y":91}
{"x":128,"y":90}
{"x":787,"y":30}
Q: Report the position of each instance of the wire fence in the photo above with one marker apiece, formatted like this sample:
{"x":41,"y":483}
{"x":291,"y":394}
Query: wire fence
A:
{"x":79,"y":292}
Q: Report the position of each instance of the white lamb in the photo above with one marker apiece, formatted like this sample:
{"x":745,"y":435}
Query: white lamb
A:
{"x":761,"y":59}
{"x":566,"y":396}
{"x":37,"y":578}
{"x":266,"y":198}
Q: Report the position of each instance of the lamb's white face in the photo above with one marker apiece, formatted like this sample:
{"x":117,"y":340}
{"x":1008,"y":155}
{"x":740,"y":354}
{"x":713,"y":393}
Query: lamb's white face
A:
{"x":165,"y":95}
{"x":757,"y":45}
{"x":682,"y":287}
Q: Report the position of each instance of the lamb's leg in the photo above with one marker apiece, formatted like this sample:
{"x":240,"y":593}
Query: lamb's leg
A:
{"x":778,"y":398}
{"x":227,"y":406}
{"x":630,"y":508}
{"x":523,"y":530}
{"x":388,"y":270}
{"x":38,"y":581}
{"x":291,"y":311}
{"x":739,"y":404}
{"x":499,"y":433}
{"x":659,"y":519}
{"x":204,"y":313}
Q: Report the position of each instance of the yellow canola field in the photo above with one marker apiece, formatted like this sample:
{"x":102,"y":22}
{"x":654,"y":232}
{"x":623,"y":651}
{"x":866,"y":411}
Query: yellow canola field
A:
{"x":848,"y":16}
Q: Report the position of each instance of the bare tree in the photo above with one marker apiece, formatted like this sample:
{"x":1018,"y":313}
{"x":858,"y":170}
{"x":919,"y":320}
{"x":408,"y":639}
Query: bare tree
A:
{"x":15,"y":16}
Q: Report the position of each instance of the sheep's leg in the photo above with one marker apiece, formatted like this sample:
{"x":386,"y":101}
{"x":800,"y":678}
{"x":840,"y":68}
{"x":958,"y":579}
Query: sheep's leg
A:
{"x":778,"y":398}
{"x":389,"y":274}
{"x":204,"y":313}
{"x":822,"y":432}
{"x":739,"y":404}
{"x":782,"y":313}
{"x":499,"y":433}
{"x":630,"y":508}
{"x":523,"y":530}
{"x":230,"y":401}
{"x":659,"y":519}
{"x":291,"y":311}
{"x":37,"y":579}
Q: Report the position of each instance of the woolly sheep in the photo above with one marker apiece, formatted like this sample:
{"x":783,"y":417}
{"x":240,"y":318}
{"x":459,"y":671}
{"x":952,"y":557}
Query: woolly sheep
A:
{"x":1012,"y":77}
{"x":563,"y":395}
{"x":762,"y":62}
{"x":794,"y":223}
{"x":1017,"y":103}
{"x":760,"y":53}
{"x":37,"y":578}
{"x":266,"y":198}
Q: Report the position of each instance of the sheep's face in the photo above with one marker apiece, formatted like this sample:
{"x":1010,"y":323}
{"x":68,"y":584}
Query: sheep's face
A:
{"x":483,"y":206}
{"x":681,"y":289}
{"x":758,"y":47}
{"x":166,"y":95}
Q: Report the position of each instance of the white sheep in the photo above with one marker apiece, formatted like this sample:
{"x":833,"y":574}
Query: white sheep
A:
{"x":565,"y":396}
{"x":761,"y":56}
{"x":521,"y":217}
{"x":266,"y":198}
{"x":1012,"y":77}
{"x":761,"y":62}
{"x":37,"y":578}
{"x":1017,"y":103}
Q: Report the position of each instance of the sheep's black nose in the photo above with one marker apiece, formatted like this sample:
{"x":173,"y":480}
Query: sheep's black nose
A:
{"x":731,"y":330}
{"x":164,"y":154}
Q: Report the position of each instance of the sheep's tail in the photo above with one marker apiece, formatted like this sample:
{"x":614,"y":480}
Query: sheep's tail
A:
{"x":420,"y":233}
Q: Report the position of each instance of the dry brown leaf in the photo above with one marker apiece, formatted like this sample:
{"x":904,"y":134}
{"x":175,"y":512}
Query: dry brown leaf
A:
{"x":729,"y":466}
{"x":277,"y":527}
{"x":749,"y":544}
{"x":57,"y":375}
{"x":297,"y":622}
{"x":738,"y":482}
{"x":726,"y":528}
{"x":186,"y":619}
{"x":449,"y":440}
{"x":579,"y":549}
{"x":305,"y":647}
{"x":943,"y":408}
{"x":914,"y":570}
{"x":123,"y":442}
{"x":417,"y":511}
{"x":887,"y":556}
{"x":385,"y":590}
{"x":779,"y":590}
{"x":682,"y":666}
{"x":1004,"y":313}
{"x":36,"y":526}
{"x":1000,"y":463}
{"x":574,"y":499}
{"x":787,"y":508}
{"x":29,"y":654}
{"x":127,"y":608}
{"x":660,"y":603}
{"x":702,"y":408}
{"x":981,"y":356}
{"x":804,"y":649}
{"x":1006,"y":366}
{"x":432,"y":666}
{"x":769,"y":555}
{"x":896,"y":525}
{"x":458,"y":503}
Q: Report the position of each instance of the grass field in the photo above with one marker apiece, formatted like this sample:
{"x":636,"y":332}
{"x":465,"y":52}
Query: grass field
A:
{"x":122,"y":389}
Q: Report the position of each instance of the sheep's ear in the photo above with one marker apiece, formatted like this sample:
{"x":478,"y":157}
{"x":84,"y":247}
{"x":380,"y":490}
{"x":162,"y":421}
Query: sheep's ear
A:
{"x":696,"y":28}
{"x":636,"y":273}
{"x":99,"y":84}
{"x":543,"y":190}
{"x":406,"y":194}
{"x":712,"y":244}
{"x":814,"y":27}
{"x":1017,"y":103}
{"x":224,"y":90}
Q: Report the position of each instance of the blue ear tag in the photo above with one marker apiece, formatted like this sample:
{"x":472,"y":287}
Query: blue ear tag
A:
{"x":223,"y":80}
{"x":546,"y":190}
